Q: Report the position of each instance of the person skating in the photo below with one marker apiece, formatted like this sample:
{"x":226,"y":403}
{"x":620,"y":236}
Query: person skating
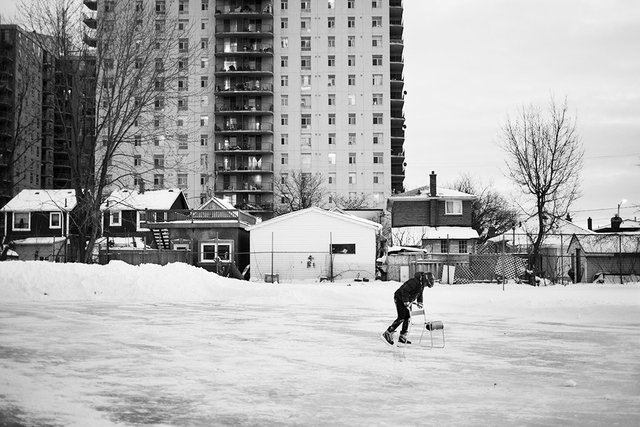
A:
{"x":410,"y":291}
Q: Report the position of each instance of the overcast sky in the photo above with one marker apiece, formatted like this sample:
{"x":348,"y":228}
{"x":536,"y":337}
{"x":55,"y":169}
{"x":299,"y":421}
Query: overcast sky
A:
{"x":470,"y":64}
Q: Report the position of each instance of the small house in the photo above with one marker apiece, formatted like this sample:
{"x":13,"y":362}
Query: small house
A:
{"x":313,"y":244}
{"x":124,"y":211}
{"x":38,"y":223}
{"x":215,"y":235}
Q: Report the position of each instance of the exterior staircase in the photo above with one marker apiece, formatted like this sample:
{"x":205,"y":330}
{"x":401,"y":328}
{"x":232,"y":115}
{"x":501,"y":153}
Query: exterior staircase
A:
{"x":161,"y":236}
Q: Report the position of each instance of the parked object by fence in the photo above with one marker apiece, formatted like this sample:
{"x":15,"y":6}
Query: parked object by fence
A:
{"x":148,"y":256}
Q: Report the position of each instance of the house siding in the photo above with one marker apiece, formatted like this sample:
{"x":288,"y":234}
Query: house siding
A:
{"x":39,"y":226}
{"x":428,"y":213}
{"x":311,"y":234}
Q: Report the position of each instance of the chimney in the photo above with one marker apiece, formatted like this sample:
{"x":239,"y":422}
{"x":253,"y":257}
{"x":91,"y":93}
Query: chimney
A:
{"x":141,"y":191}
{"x":432,"y":184}
{"x":616,"y":221}
{"x":589,"y":223}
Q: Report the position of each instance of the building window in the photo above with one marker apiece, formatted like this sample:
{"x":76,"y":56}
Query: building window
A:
{"x":376,"y":80}
{"x":376,"y":21}
{"x":182,"y":180}
{"x":305,"y":43}
{"x":377,"y":118}
{"x":284,"y":4}
{"x":284,"y":100}
{"x":204,"y":140}
{"x":305,"y":121}
{"x":351,"y":99}
{"x":352,"y":178}
{"x":284,"y":81}
{"x":331,"y":99}
{"x":305,"y":140}
{"x":444,"y":246}
{"x":284,"y":139}
{"x":183,"y":45}
{"x":332,"y":119}
{"x":376,"y":4}
{"x":204,"y":160}
{"x":183,"y":6}
{"x":351,"y":79}
{"x":183,"y":104}
{"x":204,"y":43}
{"x":331,"y":80}
{"x":376,"y":60}
{"x":204,"y":178}
{"x":331,"y":61}
{"x":331,"y":22}
{"x":331,"y":4}
{"x":351,"y":4}
{"x":158,"y":161}
{"x":351,"y":61}
{"x":331,"y":42}
{"x":305,"y":5}
{"x":453,"y":207}
{"x":115,"y":218}
{"x":211,"y":252}
{"x":137,"y":160}
{"x":305,"y":25}
{"x":332,"y":158}
{"x":160,"y":6}
{"x":284,"y":159}
{"x":204,"y":5}
{"x":462,"y":246}
{"x":284,"y":23}
{"x":21,"y":221}
{"x":305,"y":102}
{"x":376,"y":41}
{"x":351,"y":41}
{"x":377,"y":99}
{"x":284,"y":61}
{"x":352,"y":138}
{"x":183,"y":142}
{"x":352,"y":118}
{"x":204,"y":121}
{"x":352,"y":158}
{"x":331,"y":139}
{"x":284,"y":119}
{"x":204,"y":81}
{"x":305,"y":62}
{"x":137,"y":140}
{"x":378,"y":178}
{"x":377,"y":158}
{"x":351,"y":22}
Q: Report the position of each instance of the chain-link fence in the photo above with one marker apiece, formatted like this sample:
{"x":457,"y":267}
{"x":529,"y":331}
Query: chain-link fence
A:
{"x":561,"y":258}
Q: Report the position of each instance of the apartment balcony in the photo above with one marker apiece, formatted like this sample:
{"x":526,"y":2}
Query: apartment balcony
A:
{"x":243,"y":148}
{"x":245,"y":109}
{"x":90,"y":39}
{"x":245,"y":9}
{"x":245,"y":30}
{"x":243,"y":166}
{"x":247,"y":187}
{"x":255,"y":208}
{"x":90,"y":19}
{"x":243,"y":48}
{"x":247,"y":88}
{"x":182,"y":215}
{"x":251,"y":69}
{"x":91,"y":4}
{"x":244,"y":128}
{"x":397,"y":156}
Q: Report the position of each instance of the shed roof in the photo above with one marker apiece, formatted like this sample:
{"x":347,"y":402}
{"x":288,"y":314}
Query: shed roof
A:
{"x":125,"y":199}
{"x":42,"y":201}
{"x":414,"y":235}
{"x":331,"y":214}
{"x":607,"y":243}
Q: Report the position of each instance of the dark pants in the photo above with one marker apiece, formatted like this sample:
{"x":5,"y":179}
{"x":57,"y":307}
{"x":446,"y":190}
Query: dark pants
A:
{"x":403,"y":317}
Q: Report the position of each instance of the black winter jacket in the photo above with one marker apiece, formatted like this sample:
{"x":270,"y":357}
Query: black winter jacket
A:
{"x":410,"y":290}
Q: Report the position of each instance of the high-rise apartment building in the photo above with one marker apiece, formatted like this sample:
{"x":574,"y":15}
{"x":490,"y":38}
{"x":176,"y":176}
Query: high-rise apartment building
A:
{"x":271,"y":89}
{"x":26,"y":112}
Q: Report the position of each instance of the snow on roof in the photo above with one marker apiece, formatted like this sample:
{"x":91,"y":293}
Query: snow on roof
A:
{"x":215,"y":203}
{"x":414,"y":235}
{"x":424,"y":193}
{"x":609,"y":243}
{"x":525,"y":233}
{"x":39,"y":240}
{"x":337,"y":215}
{"x":125,"y":199}
{"x":42,"y":201}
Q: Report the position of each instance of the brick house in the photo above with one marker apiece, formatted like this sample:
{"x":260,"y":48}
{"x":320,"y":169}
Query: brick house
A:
{"x":37,"y":223}
{"x":436,"y":220}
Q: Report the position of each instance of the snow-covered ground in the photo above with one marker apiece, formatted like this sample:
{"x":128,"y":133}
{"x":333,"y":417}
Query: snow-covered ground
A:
{"x":178,"y":346}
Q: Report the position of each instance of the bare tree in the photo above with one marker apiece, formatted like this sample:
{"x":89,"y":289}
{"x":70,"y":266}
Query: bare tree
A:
{"x":298,"y":190}
{"x":114,"y":83}
{"x":360,"y":201}
{"x":544,"y":158}
{"x":491,"y":213}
